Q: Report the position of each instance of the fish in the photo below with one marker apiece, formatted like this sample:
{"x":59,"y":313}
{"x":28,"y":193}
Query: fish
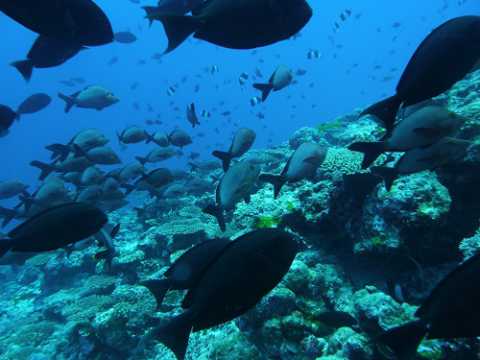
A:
{"x":192,"y":115}
{"x":177,"y":7}
{"x":7,"y":118}
{"x":302,"y":164}
{"x":103,"y":155}
{"x":106,"y":240}
{"x":81,"y":21}
{"x":12,"y":188}
{"x":179,"y":138}
{"x":186,"y":271}
{"x":236,"y":184}
{"x":445,"y":151}
{"x":47,"y":52}
{"x":128,"y":172}
{"x":55,"y":228}
{"x":449,"y":312}
{"x":86,"y":139}
{"x":124,"y":37}
{"x":431,"y":70}
{"x":132,"y":135}
{"x":241,"y":275}
{"x":422,"y":128}
{"x":92,"y":176}
{"x":152,"y":182}
{"x":157,"y":155}
{"x":91,"y":194}
{"x":33,"y":104}
{"x":252,"y":23}
{"x":241,"y":143}
{"x":159,"y":138}
{"x":92,"y":97}
{"x":71,"y":164}
{"x":281,"y":78}
{"x":51,"y":192}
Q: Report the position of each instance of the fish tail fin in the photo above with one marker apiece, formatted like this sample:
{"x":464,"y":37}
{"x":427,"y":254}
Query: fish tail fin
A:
{"x":5,"y":246}
{"x":78,"y":151}
{"x":149,"y":138}
{"x":141,"y":160}
{"x":218,"y":213}
{"x":178,"y":28}
{"x":175,"y":334}
{"x":158,"y":288}
{"x":401,"y":341}
{"x":45,"y":169}
{"x":26,"y":201}
{"x":59,"y":151}
{"x":371,"y":151}
{"x":385,"y":110}
{"x":69,"y":101}
{"x":276,"y":180}
{"x":25,"y":68}
{"x":265,"y":89}
{"x":224,"y":157}
{"x":388,"y":174}
{"x":8,"y":215}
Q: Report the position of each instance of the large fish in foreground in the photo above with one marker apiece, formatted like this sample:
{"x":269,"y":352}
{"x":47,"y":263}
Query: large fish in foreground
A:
{"x":242,"y":274}
{"x":185,"y":272}
{"x":79,"y":21}
{"x":420,"y":129}
{"x":241,"y":143}
{"x":236,"y":185}
{"x":55,"y":228}
{"x":449,"y":53}
{"x":236,"y":24}
{"x":449,"y":312}
{"x":303,"y":164}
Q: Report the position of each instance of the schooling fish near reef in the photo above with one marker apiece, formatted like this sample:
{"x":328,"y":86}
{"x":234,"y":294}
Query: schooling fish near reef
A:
{"x":241,"y":275}
{"x":241,"y":143}
{"x":236,"y":24}
{"x":55,"y":228}
{"x":432,"y":70}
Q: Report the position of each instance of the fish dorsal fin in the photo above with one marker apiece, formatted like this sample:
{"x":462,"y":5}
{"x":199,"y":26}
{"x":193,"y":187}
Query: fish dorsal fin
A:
{"x":15,"y":231}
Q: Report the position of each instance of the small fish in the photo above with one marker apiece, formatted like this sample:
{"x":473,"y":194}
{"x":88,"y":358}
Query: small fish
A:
{"x":281,"y":78}
{"x":192,"y":115}
{"x":125,"y":37}
{"x":241,"y":143}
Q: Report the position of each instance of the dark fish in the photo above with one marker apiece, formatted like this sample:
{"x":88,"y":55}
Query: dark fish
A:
{"x":236,"y":185}
{"x":449,"y":312}
{"x":186,"y":271}
{"x":422,"y":128}
{"x":34,"y":103}
{"x":47,"y":52}
{"x":431,"y":70}
{"x":55,"y":228}
{"x":241,"y":143}
{"x":281,"y":78}
{"x":103,"y":155}
{"x":7,"y":117}
{"x":243,"y":273}
{"x":303,"y":164}
{"x":236,"y":24}
{"x":125,"y":37}
{"x":132,"y":135}
{"x":81,"y":21}
{"x":9,"y":189}
{"x":152,"y":181}
{"x":192,"y":115}
{"x":179,"y":138}
{"x":177,"y":7}
{"x":157,"y":155}
{"x":421,"y":159}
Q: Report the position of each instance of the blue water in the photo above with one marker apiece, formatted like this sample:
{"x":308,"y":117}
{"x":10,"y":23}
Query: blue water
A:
{"x":366,"y":39}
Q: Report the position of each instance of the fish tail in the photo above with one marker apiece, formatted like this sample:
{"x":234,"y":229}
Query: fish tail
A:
{"x":224,"y":157}
{"x":401,"y":341}
{"x":78,"y":151}
{"x":45,"y":169}
{"x":276,"y":180}
{"x":5,"y":246}
{"x":388,"y":174}
{"x":25,"y":68}
{"x":218,"y":213}
{"x":69,"y":101}
{"x":59,"y":151}
{"x":265,"y":89}
{"x":149,"y":138}
{"x":371,"y":151}
{"x":141,"y":160}
{"x":158,"y":288}
{"x":177,"y":27}
{"x":385,"y":110}
{"x":175,"y":334}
